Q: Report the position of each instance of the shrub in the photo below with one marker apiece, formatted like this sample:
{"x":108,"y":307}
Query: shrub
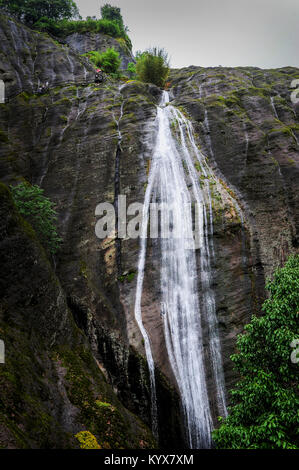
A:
{"x":94,"y":57}
{"x":38,"y":211}
{"x":153,"y":66}
{"x":109,"y":61}
{"x":265,"y":402}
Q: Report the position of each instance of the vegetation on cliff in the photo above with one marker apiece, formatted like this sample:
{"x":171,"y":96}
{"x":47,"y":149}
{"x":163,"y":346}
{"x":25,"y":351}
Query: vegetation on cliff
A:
{"x":109,"y":60}
{"x":265,"y":402}
{"x":61,"y":18}
{"x":153,"y":66}
{"x":38,"y":211}
{"x":31,"y":11}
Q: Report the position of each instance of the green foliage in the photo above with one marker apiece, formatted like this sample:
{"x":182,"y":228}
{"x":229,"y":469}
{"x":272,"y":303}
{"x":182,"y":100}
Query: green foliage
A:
{"x":109,"y":61}
{"x":131,"y":69}
{"x":38,"y":210}
{"x":31,"y":11}
{"x":87,"y":440}
{"x":111,"y":13}
{"x":129,"y":277}
{"x":153,"y":66}
{"x":94,"y":57}
{"x":110,"y":24}
{"x":90,"y":25}
{"x":265,"y":402}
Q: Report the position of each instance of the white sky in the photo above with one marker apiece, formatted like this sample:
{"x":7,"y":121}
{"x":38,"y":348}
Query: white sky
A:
{"x":262,"y":33}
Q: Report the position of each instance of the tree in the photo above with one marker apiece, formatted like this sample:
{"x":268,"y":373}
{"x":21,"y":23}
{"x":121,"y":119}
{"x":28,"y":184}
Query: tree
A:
{"x":153,"y":66}
{"x":38,"y":211}
{"x":265,"y":402}
{"x":111,"y":13}
{"x":31,"y":11}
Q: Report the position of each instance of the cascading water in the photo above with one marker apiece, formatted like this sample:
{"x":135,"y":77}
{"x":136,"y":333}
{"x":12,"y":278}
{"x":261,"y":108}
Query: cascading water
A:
{"x":184,"y":308}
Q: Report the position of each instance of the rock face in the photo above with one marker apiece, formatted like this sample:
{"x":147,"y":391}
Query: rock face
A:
{"x":87,"y":42}
{"x":51,"y":386}
{"x":87,"y":144}
{"x":29,"y":59}
{"x":67,"y":140}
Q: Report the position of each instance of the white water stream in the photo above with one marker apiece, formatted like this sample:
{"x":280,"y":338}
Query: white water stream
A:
{"x":187,"y":299}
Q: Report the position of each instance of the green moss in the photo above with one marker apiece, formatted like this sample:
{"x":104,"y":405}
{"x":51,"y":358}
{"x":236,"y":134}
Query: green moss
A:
{"x":282,"y":130}
{"x":102,"y":404}
{"x":24,"y":96}
{"x":87,"y":440}
{"x":129,"y":277}
{"x":63,"y":100}
{"x":63,"y":118}
{"x":49,"y":132}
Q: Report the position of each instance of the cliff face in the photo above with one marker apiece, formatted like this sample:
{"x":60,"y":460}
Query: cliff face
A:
{"x":52,"y":388}
{"x":86,"y":144}
{"x":248,"y":128}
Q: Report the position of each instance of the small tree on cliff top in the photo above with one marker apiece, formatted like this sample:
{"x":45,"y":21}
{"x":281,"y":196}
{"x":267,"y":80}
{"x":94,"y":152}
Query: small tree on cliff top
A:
{"x":265,"y":402}
{"x":31,"y":11}
{"x":111,"y":13}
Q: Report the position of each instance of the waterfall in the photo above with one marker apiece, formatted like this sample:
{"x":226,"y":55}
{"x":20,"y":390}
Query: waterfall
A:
{"x":273,"y":107}
{"x":187,"y":300}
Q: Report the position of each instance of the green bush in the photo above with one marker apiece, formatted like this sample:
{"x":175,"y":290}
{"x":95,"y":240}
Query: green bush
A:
{"x":38,"y":211}
{"x":153,"y":66}
{"x":65,"y":27}
{"x":94,"y":57}
{"x":265,"y":402}
{"x":109,"y":61}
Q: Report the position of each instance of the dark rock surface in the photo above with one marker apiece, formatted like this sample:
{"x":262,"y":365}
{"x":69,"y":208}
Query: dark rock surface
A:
{"x":87,"y":42}
{"x":51,"y":387}
{"x":68,"y":141}
{"x":29,"y":59}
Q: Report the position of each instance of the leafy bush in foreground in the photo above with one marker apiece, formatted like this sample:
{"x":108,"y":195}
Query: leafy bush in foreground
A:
{"x":265,"y":402}
{"x":38,"y":211}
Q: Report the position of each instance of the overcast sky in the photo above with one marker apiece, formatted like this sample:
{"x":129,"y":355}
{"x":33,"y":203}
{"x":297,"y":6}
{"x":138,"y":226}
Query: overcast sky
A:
{"x":262,"y":33}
